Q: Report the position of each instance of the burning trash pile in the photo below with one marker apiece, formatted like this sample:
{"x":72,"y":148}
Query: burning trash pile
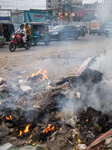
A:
{"x":67,"y":115}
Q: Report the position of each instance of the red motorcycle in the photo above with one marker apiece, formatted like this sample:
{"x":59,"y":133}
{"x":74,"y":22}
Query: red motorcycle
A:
{"x":17,"y":42}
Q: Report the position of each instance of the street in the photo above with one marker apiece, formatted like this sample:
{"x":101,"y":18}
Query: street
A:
{"x":59,"y":58}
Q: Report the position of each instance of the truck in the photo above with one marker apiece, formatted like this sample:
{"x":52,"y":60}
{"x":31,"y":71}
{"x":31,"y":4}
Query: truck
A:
{"x":97,"y":26}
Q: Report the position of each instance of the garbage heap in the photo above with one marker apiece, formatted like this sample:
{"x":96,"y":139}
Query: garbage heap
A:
{"x":58,"y":115}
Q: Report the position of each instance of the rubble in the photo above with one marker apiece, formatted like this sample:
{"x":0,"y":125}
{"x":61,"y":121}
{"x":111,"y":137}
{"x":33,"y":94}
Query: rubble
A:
{"x":42,"y":112}
{"x":5,"y":146}
{"x":2,"y":80}
{"x":4,"y":131}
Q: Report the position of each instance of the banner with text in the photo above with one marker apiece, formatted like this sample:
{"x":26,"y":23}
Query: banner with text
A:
{"x":31,"y":16}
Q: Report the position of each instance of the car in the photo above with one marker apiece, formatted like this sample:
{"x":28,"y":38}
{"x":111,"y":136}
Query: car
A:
{"x":61,"y":32}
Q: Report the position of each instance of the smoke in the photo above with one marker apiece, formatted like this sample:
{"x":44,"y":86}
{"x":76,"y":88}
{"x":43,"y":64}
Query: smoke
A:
{"x":103,"y":64}
{"x":99,"y":95}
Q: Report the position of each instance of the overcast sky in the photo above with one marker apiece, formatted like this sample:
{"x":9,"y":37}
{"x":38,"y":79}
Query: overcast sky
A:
{"x":92,"y":1}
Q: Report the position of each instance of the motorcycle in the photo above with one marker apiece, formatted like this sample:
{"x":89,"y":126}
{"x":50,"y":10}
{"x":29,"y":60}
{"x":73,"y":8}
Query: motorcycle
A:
{"x":17,"y":42}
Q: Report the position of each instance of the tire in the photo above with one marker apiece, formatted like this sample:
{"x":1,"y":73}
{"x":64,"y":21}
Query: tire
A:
{"x":75,"y":37}
{"x":99,"y":33}
{"x":35,"y":44}
{"x":12,"y":47}
{"x":28,"y":46}
{"x":60,"y":38}
{"x":47,"y":42}
{"x":107,"y":35}
{"x":1,"y":45}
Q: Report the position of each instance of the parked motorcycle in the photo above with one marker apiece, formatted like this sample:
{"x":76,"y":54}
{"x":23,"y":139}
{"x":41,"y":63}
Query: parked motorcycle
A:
{"x":17,"y":42}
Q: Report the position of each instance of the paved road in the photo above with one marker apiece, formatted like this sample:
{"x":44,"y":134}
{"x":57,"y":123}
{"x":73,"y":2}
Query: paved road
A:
{"x":60,"y":58}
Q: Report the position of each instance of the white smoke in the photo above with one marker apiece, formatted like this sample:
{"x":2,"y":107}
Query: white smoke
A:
{"x":103,"y":64}
{"x":100,"y":97}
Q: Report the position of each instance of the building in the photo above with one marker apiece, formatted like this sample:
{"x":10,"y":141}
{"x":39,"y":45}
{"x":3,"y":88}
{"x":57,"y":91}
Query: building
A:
{"x":77,"y":4}
{"x":53,"y":4}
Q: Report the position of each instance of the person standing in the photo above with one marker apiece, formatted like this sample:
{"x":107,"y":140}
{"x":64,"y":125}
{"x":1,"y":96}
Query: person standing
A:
{"x":6,"y":33}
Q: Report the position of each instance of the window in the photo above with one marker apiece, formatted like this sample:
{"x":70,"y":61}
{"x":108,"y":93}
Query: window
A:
{"x":49,"y":6}
{"x":49,"y":1}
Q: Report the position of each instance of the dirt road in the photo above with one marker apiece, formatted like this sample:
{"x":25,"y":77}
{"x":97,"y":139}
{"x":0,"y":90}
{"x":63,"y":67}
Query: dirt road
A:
{"x":60,"y":58}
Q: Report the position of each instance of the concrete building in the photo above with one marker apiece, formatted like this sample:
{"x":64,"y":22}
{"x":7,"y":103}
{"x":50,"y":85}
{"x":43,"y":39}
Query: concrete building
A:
{"x":52,"y":4}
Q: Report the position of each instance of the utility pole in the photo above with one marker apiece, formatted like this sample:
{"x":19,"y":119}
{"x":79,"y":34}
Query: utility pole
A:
{"x":70,"y":12}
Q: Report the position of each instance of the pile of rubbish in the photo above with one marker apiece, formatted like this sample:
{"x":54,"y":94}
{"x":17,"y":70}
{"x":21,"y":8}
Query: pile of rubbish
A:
{"x":38,"y":114}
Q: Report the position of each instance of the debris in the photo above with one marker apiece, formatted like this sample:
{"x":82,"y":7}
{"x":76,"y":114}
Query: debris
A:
{"x":78,"y":95}
{"x":100,"y":141}
{"x":4,"y":130}
{"x":108,"y":142}
{"x":28,"y":147}
{"x":23,"y":71}
{"x":5,"y":146}
{"x":25,"y":88}
{"x":82,"y":146}
{"x":40,"y":147}
{"x":2,"y":80}
{"x":23,"y":82}
{"x":3,"y":87}
{"x":12,"y":139}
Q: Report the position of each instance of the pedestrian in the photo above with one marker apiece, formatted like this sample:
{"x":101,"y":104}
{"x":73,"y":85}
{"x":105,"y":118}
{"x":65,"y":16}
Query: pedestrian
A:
{"x":41,"y":33}
{"x":6,"y":33}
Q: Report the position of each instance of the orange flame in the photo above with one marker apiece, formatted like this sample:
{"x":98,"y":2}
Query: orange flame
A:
{"x":27,"y":128}
{"x":87,"y":119}
{"x":43,"y":72}
{"x":9,"y":118}
{"x":49,"y":128}
{"x":20,"y":133}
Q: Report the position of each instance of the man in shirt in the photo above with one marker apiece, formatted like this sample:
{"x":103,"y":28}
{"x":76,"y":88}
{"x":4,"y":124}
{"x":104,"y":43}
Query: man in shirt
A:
{"x":22,"y":30}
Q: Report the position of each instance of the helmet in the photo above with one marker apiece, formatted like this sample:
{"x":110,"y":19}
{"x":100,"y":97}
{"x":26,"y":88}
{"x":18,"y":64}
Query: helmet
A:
{"x":21,"y":25}
{"x":26,"y":23}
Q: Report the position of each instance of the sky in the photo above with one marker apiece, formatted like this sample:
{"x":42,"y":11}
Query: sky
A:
{"x":92,"y":1}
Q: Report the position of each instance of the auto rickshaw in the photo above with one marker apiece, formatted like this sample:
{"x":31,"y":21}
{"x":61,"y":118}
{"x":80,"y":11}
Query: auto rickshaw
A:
{"x":2,"y":39}
{"x":39,"y":32}
{"x":10,"y":28}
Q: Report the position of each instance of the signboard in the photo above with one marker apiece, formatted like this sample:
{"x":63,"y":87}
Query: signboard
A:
{"x":21,"y":17}
{"x":18,"y":17}
{"x":61,"y":17}
{"x":94,"y":25}
{"x":14,"y":18}
{"x":31,"y":16}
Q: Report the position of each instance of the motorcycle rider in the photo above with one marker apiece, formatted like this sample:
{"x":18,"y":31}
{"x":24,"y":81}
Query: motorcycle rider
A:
{"x":22,"y":30}
{"x":28,"y":32}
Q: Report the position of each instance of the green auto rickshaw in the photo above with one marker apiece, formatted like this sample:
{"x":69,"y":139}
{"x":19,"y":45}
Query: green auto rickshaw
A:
{"x":39,"y":32}
{"x":2,"y":39}
{"x":9,"y":28}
